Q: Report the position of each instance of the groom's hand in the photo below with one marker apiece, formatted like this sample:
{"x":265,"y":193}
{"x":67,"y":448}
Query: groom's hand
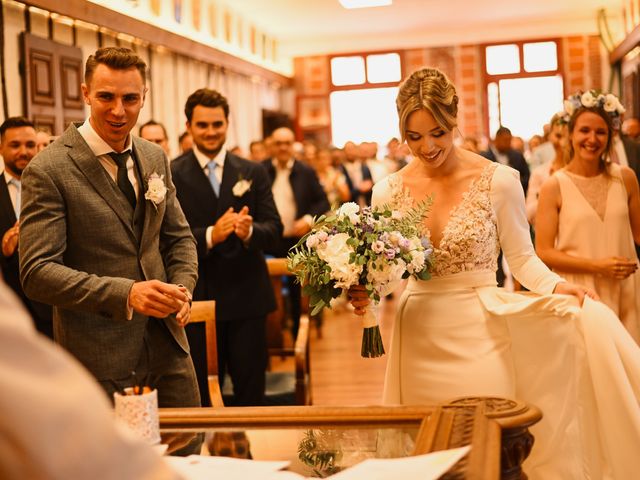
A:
{"x":157,"y":299}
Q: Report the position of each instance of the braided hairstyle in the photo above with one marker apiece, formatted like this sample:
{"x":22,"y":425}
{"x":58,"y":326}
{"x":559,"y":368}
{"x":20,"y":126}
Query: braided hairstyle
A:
{"x":429,"y":89}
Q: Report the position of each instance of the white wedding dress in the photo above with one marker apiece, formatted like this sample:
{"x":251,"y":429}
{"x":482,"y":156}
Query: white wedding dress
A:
{"x":460,"y":335}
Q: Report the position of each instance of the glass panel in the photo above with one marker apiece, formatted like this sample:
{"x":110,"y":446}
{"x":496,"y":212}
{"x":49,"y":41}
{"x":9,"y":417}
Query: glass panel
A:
{"x":367,"y":115}
{"x":503,"y":59}
{"x":347,"y":71}
{"x":493,"y":102}
{"x":540,"y":56}
{"x":526,"y":104}
{"x":383,"y":68}
{"x":312,"y":452}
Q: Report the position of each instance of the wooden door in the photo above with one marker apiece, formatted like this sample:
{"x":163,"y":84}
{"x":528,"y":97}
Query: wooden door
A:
{"x":51,"y":83}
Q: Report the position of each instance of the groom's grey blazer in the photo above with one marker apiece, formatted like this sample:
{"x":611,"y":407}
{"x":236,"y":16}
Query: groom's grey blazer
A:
{"x":82,"y":247}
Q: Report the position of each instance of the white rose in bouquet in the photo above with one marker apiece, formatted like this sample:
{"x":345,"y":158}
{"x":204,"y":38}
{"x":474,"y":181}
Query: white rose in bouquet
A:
{"x":336,"y":252}
{"x":386,"y":275}
{"x":350,"y":209}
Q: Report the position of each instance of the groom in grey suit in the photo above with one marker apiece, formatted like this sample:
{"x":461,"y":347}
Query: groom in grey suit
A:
{"x":104,"y":240}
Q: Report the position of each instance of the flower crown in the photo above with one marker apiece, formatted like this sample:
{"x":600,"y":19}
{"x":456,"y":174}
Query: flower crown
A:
{"x":594,"y":99}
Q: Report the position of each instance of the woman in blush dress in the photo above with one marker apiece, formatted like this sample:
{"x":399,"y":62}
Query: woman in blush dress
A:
{"x":460,"y":335}
{"x":589,"y":212}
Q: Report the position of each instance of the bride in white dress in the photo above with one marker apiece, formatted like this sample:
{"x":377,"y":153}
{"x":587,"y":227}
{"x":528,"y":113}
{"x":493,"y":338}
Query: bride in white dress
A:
{"x":460,"y":335}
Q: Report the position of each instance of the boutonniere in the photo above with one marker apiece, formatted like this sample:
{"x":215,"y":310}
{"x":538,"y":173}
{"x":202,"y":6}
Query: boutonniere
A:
{"x":241,"y":187}
{"x":156,"y":189}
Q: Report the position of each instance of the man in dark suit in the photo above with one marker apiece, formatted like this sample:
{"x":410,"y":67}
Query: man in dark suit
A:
{"x":18,"y":145}
{"x":299,"y":197}
{"x":500,"y":151}
{"x":228,"y":203}
{"x":103,"y":240}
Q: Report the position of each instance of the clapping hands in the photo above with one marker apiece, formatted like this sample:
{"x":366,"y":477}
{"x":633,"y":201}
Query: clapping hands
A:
{"x":230,"y":222}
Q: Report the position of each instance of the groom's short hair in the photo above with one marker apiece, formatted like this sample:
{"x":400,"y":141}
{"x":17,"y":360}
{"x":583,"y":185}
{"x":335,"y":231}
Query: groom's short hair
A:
{"x":207,"y":98}
{"x":117,"y":58}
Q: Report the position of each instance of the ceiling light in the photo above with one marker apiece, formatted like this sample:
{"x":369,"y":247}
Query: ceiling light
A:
{"x":364,"y":3}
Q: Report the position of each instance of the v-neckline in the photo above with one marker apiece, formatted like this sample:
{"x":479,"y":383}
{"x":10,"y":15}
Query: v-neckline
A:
{"x":453,"y":210}
{"x":585,"y":199}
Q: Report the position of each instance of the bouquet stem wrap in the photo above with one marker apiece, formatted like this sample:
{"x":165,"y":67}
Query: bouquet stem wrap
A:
{"x":372,"y":346}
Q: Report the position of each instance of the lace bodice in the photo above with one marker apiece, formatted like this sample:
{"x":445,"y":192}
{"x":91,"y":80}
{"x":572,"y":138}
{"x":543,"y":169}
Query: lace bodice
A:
{"x":470,"y":238}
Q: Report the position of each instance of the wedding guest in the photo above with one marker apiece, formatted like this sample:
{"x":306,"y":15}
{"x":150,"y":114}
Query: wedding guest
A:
{"x":588,"y":219}
{"x":298,"y":197}
{"x":500,"y":151}
{"x":257,"y":151}
{"x":331,"y":179}
{"x":228,"y":203}
{"x":18,"y":145}
{"x":43,"y":139}
{"x":558,"y":139}
{"x":185,"y":142}
{"x":117,"y":262}
{"x":156,"y":133}
{"x":577,"y":364}
{"x":357,"y":174}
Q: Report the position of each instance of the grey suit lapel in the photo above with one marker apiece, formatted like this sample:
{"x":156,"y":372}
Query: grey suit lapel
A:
{"x":145,"y":167}
{"x":97,"y":176}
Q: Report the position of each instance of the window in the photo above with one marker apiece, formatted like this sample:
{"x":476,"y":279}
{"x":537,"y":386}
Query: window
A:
{"x":364,"y":115}
{"x":524,"y":86}
{"x":361,"y":69}
{"x":364,"y":89}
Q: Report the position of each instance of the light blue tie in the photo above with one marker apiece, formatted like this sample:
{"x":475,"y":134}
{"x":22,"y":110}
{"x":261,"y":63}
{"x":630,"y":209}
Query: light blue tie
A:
{"x":213,"y":179}
{"x":18,"y":185}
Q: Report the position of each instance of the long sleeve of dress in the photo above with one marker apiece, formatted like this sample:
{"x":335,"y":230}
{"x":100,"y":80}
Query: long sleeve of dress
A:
{"x":507,"y":199}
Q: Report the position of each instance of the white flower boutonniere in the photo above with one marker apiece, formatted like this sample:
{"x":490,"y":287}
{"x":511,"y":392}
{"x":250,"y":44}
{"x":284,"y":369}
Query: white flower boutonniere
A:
{"x":241,"y":187}
{"x":156,"y":189}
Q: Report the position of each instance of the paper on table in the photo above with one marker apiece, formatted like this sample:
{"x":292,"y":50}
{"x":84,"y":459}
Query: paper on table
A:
{"x":422,"y":467}
{"x":196,"y":467}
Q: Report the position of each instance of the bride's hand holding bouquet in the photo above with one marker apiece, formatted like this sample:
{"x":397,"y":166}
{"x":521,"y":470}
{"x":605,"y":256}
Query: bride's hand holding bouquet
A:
{"x":366,"y":252}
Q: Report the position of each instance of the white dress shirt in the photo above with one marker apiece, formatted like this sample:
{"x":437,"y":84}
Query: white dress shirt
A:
{"x":284,"y":198}
{"x":101,"y":149}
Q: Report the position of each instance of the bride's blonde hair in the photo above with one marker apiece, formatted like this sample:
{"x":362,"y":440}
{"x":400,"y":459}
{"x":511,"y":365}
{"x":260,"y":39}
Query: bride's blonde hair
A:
{"x":429,"y":89}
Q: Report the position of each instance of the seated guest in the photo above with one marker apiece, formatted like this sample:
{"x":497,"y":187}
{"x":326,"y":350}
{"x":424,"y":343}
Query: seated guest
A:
{"x":56,"y":422}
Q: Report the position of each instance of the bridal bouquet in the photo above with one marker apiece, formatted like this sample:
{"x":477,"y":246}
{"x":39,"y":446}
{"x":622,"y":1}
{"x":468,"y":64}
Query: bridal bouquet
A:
{"x":372,"y":247}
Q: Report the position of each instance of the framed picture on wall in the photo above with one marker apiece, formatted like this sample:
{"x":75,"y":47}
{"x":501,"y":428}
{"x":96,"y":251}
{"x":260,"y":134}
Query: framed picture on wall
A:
{"x":313,"y":112}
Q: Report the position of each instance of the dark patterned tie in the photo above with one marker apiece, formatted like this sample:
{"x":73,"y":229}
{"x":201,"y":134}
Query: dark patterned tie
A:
{"x":123,"y":176}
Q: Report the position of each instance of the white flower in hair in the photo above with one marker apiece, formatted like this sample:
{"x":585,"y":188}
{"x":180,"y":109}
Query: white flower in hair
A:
{"x":569,"y":107}
{"x":588,"y":100}
{"x":610,"y":103}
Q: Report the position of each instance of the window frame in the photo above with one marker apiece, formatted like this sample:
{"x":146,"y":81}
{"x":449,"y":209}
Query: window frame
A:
{"x":367,"y":84}
{"x":489,"y":78}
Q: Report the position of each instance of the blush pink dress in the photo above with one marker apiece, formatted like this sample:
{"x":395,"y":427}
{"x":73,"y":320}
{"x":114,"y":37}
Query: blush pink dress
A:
{"x":594,"y":223}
